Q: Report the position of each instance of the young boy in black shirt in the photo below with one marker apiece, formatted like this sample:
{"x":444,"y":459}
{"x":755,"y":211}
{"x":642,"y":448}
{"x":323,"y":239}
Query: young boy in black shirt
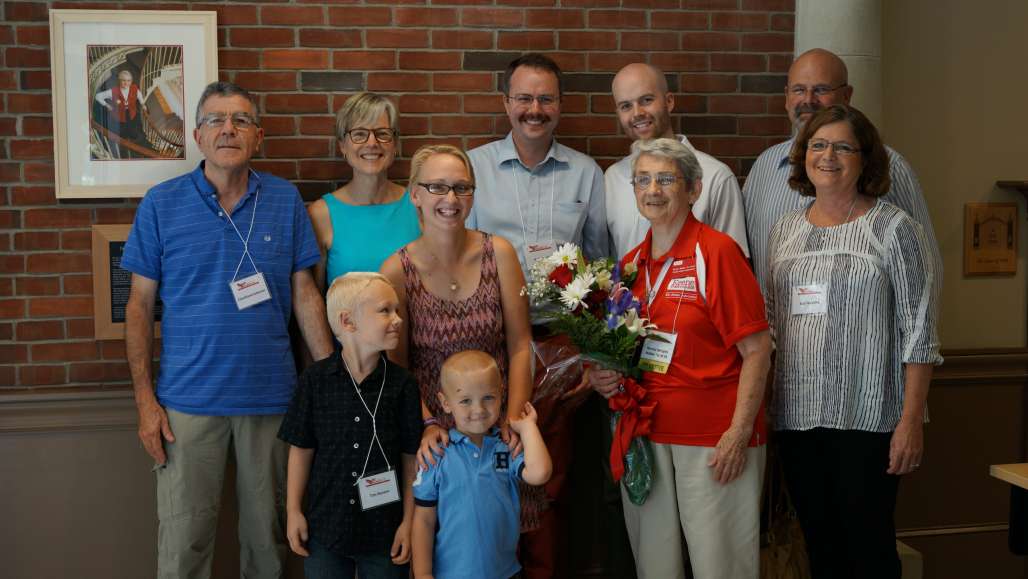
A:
{"x":353,"y":427}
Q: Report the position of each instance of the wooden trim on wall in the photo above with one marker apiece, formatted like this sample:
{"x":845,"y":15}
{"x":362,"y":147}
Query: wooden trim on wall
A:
{"x":995,"y":365}
{"x":68,"y":411}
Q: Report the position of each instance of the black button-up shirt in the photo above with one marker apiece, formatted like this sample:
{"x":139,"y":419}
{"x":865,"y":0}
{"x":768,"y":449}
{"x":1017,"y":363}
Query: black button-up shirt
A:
{"x":327,"y":415}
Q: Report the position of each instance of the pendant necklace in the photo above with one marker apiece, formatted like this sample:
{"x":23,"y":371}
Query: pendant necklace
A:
{"x":454,"y":286}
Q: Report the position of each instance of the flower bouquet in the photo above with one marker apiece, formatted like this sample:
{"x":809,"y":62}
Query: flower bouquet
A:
{"x":592,"y":303}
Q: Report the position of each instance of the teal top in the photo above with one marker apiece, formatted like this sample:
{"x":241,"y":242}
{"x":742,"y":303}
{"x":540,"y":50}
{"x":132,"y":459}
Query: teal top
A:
{"x":364,"y":236}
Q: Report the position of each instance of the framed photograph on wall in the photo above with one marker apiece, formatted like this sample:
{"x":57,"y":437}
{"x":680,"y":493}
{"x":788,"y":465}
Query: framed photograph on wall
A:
{"x":125,"y":84}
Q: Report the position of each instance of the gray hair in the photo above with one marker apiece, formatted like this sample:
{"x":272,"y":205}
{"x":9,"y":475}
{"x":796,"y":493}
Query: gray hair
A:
{"x":666,"y":148}
{"x":223,"y":89}
{"x":364,"y":107}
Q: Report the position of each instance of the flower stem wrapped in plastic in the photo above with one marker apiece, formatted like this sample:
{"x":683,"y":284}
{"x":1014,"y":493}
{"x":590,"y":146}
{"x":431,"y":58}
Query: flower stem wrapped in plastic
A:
{"x":592,"y":303}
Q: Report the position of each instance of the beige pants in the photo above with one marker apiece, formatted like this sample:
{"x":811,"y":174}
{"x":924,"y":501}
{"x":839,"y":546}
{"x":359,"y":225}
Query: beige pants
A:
{"x":721,"y":522}
{"x":189,"y":494}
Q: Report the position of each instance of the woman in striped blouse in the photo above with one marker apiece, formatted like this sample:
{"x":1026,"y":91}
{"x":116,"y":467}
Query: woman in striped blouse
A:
{"x":852,"y":300}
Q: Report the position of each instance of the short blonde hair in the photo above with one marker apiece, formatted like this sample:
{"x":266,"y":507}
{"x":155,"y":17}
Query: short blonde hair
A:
{"x":467,"y":361}
{"x":346,"y":294}
{"x":426,"y":152}
{"x":364,"y":108}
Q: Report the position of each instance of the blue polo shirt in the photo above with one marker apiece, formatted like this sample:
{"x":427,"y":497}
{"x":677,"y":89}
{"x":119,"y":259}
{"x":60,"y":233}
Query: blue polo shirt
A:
{"x":475,"y":493}
{"x":215,"y":358}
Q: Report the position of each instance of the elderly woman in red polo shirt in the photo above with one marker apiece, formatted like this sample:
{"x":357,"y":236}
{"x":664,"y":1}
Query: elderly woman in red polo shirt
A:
{"x":706,"y":380}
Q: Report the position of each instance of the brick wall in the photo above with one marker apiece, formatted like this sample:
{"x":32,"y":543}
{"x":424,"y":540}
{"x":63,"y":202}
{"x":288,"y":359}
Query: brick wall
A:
{"x":726,"y":60}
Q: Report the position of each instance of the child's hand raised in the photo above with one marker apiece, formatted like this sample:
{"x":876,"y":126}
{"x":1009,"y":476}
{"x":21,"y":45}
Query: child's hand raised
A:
{"x":527,"y":415}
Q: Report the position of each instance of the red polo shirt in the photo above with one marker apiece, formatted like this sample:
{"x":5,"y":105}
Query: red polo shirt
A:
{"x":696,"y":397}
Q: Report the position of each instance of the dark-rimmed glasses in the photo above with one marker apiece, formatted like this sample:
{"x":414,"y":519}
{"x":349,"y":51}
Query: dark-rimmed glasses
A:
{"x":459,"y":189}
{"x":361,"y":136}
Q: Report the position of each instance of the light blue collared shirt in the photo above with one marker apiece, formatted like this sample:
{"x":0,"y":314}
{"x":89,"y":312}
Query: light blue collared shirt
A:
{"x":560,"y":200}
{"x":475,"y":493}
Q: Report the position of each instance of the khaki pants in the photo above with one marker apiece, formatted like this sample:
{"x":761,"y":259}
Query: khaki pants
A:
{"x":721,"y":522}
{"x":189,"y":492}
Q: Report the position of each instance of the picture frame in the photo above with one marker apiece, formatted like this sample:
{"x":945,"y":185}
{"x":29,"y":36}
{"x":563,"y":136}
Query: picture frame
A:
{"x":990,"y":239}
{"x":125,"y":84}
{"x":111,"y":284}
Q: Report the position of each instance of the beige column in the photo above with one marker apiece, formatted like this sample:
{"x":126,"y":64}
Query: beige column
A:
{"x":853,"y":30}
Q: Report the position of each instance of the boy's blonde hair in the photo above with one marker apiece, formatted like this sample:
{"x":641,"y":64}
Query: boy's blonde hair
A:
{"x":345,"y":294}
{"x":462,"y":363}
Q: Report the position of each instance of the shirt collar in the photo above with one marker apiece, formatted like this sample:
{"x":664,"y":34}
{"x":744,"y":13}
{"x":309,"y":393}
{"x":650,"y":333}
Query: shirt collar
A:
{"x":205,"y":188}
{"x":685,"y":141}
{"x":684,"y":245}
{"x":336,"y":366}
{"x":507,"y":151}
{"x":783,"y":155}
{"x":457,"y":436}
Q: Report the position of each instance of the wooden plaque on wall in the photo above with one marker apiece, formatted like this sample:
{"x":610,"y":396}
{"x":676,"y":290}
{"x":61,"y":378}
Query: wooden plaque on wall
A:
{"x":990,"y":239}
{"x":111,"y":283}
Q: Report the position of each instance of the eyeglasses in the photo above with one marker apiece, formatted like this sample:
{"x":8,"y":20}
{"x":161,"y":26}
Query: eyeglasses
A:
{"x":525,"y":100}
{"x":664,"y":180}
{"x":840,"y":147}
{"x":241,"y":121}
{"x":459,"y":189}
{"x":820,"y":90}
{"x":361,"y":136}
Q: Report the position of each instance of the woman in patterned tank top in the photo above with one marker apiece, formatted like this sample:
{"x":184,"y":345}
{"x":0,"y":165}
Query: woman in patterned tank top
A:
{"x":459,"y":290}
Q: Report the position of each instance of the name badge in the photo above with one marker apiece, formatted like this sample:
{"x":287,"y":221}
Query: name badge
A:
{"x":656,"y":352}
{"x":536,"y":251}
{"x":809,"y":299}
{"x":250,"y":291}
{"x":378,"y":489}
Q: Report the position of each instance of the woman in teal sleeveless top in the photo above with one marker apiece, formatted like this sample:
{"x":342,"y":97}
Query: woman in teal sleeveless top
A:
{"x":363,"y":222}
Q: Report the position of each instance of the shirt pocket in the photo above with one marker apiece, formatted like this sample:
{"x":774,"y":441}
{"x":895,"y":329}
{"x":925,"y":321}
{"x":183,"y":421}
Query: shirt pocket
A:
{"x":569,"y":219}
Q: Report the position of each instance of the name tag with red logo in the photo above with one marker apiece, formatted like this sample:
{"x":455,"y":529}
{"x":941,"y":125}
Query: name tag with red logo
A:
{"x":809,"y":299}
{"x":250,"y":291}
{"x":378,"y":489}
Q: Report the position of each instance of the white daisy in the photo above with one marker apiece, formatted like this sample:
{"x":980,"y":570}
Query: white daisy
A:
{"x":573,"y":295}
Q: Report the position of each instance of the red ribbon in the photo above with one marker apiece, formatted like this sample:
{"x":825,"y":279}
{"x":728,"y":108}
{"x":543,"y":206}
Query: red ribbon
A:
{"x":635,"y":420}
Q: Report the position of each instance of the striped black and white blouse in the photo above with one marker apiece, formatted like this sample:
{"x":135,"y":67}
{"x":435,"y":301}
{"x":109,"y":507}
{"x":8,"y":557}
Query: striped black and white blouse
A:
{"x":849,"y":305}
{"x":767,"y":198}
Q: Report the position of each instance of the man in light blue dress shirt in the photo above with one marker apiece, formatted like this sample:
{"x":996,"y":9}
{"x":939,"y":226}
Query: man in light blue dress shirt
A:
{"x":538,"y":194}
{"x":531,"y":190}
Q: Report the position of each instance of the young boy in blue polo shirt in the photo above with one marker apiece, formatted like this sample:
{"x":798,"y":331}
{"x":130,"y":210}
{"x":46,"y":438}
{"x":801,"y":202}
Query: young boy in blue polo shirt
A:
{"x":472,"y":491}
{"x":353,"y":428}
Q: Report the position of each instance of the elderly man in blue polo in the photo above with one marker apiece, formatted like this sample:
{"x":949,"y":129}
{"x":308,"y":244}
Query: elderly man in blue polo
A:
{"x":228,"y":251}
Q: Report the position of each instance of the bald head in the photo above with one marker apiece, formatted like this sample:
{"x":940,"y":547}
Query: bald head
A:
{"x":817,"y":79}
{"x":643,"y":102}
{"x":469,"y":367}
